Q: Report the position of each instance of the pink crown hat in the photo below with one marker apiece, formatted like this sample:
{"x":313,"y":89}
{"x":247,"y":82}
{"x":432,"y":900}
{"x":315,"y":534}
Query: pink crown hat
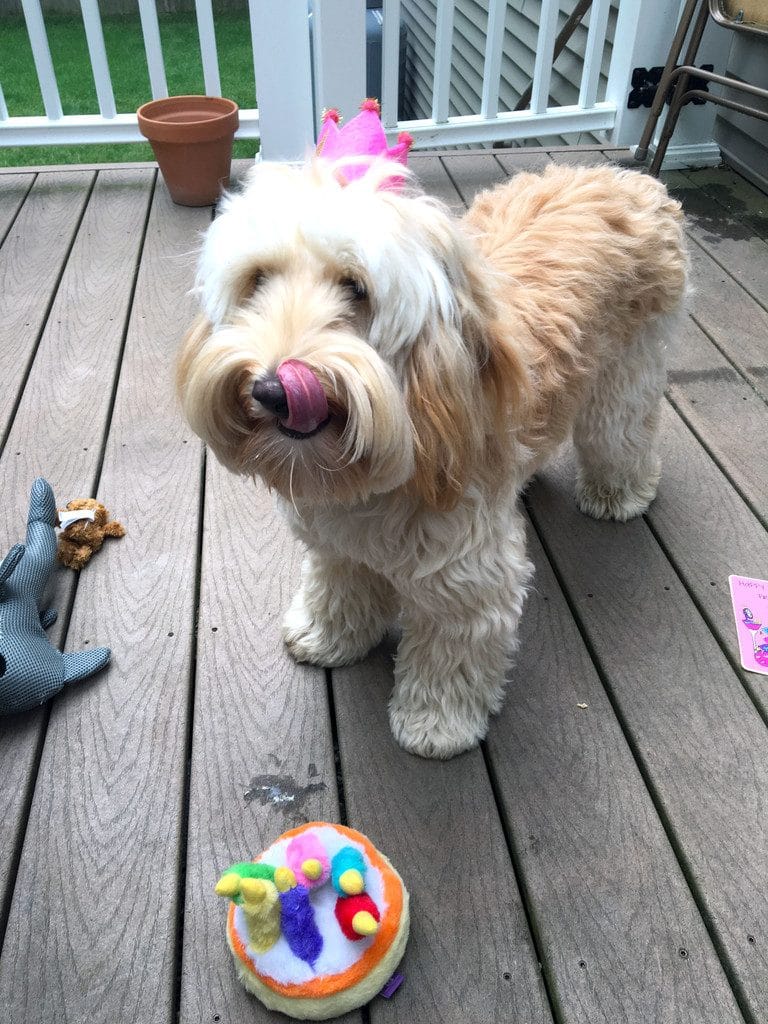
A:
{"x":363,"y":136}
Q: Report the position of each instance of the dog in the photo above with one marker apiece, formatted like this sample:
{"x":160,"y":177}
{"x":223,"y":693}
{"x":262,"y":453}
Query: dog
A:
{"x":397,"y":374}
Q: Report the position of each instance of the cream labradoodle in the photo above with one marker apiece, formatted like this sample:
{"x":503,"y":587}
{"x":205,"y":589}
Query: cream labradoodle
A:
{"x":396,"y":375}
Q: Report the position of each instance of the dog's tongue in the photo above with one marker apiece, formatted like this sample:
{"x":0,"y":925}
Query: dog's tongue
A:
{"x":307,"y":404}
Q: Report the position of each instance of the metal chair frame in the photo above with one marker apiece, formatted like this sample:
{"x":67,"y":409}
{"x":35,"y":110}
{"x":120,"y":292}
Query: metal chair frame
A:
{"x":679,"y":77}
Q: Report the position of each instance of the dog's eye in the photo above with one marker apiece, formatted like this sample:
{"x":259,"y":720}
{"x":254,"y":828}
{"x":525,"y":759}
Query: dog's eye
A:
{"x":356,"y":289}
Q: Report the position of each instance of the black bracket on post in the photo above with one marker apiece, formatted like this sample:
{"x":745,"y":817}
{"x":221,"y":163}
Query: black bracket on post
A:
{"x":645,"y":82}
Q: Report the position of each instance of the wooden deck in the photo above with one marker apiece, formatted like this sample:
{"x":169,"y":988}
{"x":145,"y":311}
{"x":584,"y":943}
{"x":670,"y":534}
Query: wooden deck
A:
{"x":606,"y":863}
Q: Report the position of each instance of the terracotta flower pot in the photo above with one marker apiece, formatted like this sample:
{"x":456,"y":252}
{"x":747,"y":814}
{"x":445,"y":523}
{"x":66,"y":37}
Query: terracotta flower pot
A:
{"x":191,"y":137}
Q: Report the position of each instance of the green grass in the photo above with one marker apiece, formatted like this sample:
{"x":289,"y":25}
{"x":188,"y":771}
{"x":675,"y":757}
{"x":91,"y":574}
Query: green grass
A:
{"x":130,"y":80}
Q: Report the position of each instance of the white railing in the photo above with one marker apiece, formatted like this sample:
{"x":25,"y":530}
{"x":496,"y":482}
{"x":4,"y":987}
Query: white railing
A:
{"x":489,"y":124}
{"x":108,"y":125}
{"x":296,"y":79}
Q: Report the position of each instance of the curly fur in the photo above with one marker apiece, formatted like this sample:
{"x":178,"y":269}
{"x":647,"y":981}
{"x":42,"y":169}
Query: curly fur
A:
{"x":465,"y":354}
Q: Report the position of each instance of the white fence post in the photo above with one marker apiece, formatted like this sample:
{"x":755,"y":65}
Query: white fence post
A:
{"x":338,"y":49}
{"x":280,"y":35}
{"x":41,"y":54}
{"x":206,"y":33}
{"x":441,"y":88}
{"x":593,"y":53}
{"x":644,"y":31}
{"x":545,"y":48}
{"x":94,"y":35}
{"x":390,"y":62}
{"x":494,"y":48}
{"x":153,"y":48}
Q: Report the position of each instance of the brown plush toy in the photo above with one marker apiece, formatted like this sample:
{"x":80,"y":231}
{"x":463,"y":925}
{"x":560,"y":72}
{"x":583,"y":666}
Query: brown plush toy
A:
{"x":84,"y":525}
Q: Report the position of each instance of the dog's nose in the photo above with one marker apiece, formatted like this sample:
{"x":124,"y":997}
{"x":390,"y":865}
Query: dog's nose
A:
{"x":270,"y":393}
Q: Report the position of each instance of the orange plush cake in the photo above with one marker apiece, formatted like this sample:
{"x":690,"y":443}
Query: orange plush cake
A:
{"x":318,"y":923}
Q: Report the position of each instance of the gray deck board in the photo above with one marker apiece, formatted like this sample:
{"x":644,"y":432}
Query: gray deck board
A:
{"x":740,"y":200}
{"x":611,"y":905}
{"x":726,"y":413}
{"x":60,"y":421}
{"x":433,"y":179}
{"x":260,"y":720}
{"x":601,"y":840}
{"x":700,"y":742}
{"x":107,"y":806}
{"x":726,"y":537}
{"x":731,"y":318}
{"x":479,"y":170}
{"x":31,"y":259}
{"x":471,"y":955}
{"x":733,"y":244}
{"x":13,"y":191}
{"x":513,"y":162}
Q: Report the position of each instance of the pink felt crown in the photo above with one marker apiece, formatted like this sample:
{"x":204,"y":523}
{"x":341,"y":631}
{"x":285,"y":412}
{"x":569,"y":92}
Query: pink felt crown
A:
{"x":363,"y":136}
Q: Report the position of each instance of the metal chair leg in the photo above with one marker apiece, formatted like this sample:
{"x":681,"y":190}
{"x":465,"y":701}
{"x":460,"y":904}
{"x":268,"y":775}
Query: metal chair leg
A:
{"x":641,"y":150}
{"x":681,"y":88}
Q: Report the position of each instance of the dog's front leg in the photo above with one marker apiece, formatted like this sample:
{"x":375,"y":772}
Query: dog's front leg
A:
{"x":459,"y":632}
{"x":340,"y":612}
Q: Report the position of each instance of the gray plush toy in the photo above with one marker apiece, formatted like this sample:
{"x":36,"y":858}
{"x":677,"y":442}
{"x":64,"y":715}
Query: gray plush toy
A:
{"x":31,"y":669}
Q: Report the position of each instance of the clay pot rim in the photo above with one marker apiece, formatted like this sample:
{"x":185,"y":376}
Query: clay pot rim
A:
{"x":223,"y":121}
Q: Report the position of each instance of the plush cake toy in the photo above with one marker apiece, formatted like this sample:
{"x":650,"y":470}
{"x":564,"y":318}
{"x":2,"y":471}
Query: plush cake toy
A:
{"x":318,"y":923}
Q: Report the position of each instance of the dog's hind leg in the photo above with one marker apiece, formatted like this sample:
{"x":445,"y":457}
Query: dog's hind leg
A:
{"x":340,"y":612}
{"x":616,"y":430}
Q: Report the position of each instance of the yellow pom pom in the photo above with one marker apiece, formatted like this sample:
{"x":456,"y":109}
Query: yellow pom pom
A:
{"x":364,"y":923}
{"x":253,"y":890}
{"x":351,"y":882}
{"x":312,"y":868}
{"x":261,"y":905}
{"x":285,"y":879}
{"x":228,"y":885}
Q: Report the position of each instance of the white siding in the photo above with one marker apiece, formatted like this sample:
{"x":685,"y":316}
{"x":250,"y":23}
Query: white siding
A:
{"x":517,"y":63}
{"x":744,"y":140}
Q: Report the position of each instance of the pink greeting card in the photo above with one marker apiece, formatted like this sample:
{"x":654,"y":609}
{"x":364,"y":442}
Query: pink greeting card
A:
{"x":750,"y":607}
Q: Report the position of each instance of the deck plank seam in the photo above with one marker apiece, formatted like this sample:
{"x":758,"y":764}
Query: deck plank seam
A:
{"x":44,"y":321}
{"x":337,"y":762}
{"x":450,"y":177}
{"x":742,"y":372}
{"x":712,"y":626}
{"x":705,"y":249}
{"x":720,"y":463}
{"x":124,"y":336}
{"x":181,"y":888}
{"x":14,"y":855}
{"x":549,"y":982}
{"x":729,"y":969}
{"x":20,"y":207}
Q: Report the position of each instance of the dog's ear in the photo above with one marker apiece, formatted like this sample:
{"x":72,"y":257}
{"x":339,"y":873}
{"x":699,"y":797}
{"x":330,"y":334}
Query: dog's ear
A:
{"x":465,"y":391}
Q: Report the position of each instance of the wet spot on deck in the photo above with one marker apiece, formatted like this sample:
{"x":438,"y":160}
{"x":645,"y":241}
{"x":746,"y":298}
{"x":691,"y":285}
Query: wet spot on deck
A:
{"x":280,"y":791}
{"x":722,"y":214}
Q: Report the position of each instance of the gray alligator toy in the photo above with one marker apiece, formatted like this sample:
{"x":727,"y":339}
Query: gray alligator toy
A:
{"x":31,"y":669}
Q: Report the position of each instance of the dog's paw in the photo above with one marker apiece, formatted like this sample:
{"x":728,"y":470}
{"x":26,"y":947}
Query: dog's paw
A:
{"x":620,"y":502}
{"x":327,"y":644}
{"x":434,"y":732}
